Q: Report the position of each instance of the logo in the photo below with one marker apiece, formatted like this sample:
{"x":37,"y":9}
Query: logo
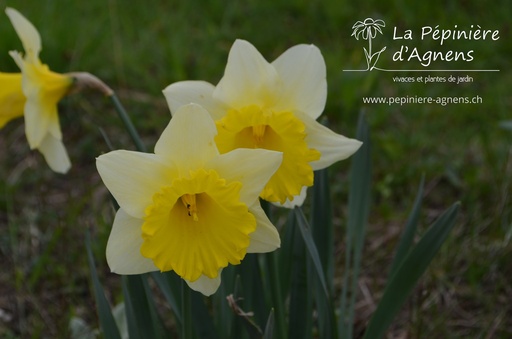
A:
{"x":410,"y":46}
{"x":368,"y":29}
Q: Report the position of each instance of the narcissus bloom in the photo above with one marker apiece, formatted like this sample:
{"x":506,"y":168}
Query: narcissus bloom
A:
{"x":42,"y":90}
{"x":12,"y":99}
{"x":186,"y":207}
{"x":272,"y":106}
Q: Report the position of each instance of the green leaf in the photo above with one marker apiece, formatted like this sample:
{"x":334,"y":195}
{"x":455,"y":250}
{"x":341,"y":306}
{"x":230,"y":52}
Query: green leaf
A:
{"x":110,"y":146}
{"x":107,"y":322}
{"x":324,"y":308}
{"x":358,"y":210}
{"x":169,"y":284}
{"x":223,"y":316}
{"x":413,"y":266}
{"x":141,"y":314}
{"x":232,"y":300}
{"x":409,"y":232}
{"x":285,"y":253}
{"x":274,"y":280}
{"x":323,"y":234}
{"x":269,"y":328}
{"x":321,"y":224}
{"x":119,"y":313}
{"x":301,"y":299}
{"x":253,"y":287}
{"x":186,"y":311}
{"x":311,"y":248}
{"x":244,"y":318}
{"x":271,"y":262}
{"x":202,"y":320}
{"x":317,"y":277}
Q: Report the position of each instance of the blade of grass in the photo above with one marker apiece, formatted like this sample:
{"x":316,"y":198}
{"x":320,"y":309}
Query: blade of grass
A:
{"x":43,"y":260}
{"x":409,"y":231}
{"x":107,"y":322}
{"x":408,"y":273}
{"x":358,"y":211}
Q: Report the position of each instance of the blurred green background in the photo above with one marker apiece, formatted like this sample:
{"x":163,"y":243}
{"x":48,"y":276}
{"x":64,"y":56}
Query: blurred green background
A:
{"x":140,"y":47}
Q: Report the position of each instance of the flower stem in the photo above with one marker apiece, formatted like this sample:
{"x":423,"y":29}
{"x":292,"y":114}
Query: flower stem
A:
{"x":275,"y":282}
{"x":84,"y":80}
{"x":275,"y":290}
{"x":128,"y":123}
{"x":186,"y":311}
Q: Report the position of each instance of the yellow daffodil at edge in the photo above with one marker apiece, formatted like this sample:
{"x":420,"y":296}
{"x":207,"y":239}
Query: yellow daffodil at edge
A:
{"x":12,"y":99}
{"x":37,"y":90}
{"x":272,"y":106}
{"x":186,"y":207}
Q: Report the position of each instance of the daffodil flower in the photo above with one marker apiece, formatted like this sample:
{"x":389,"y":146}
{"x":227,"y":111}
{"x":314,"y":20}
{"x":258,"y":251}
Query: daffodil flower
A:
{"x":272,"y":106}
{"x":187,"y":208}
{"x":42,"y":90}
{"x":12,"y":99}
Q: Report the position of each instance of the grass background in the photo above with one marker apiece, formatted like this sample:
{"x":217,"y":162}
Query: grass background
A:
{"x":140,"y":48}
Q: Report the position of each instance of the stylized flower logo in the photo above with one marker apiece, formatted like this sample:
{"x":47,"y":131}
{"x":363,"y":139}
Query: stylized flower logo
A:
{"x":368,"y":29}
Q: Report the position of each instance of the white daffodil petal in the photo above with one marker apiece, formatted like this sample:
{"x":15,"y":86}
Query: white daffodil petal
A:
{"x":27,"y":33}
{"x":205,"y":285}
{"x":333,"y":147}
{"x":18,"y":59}
{"x":302,"y":70}
{"x":248,"y":79}
{"x":188,"y":140}
{"x":197,"y":92}
{"x":123,"y":247}
{"x":133,"y":178}
{"x":36,"y":124}
{"x":265,"y":238}
{"x":298,"y":200}
{"x":55,"y":154}
{"x":252,"y":167}
{"x":53,"y":122}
